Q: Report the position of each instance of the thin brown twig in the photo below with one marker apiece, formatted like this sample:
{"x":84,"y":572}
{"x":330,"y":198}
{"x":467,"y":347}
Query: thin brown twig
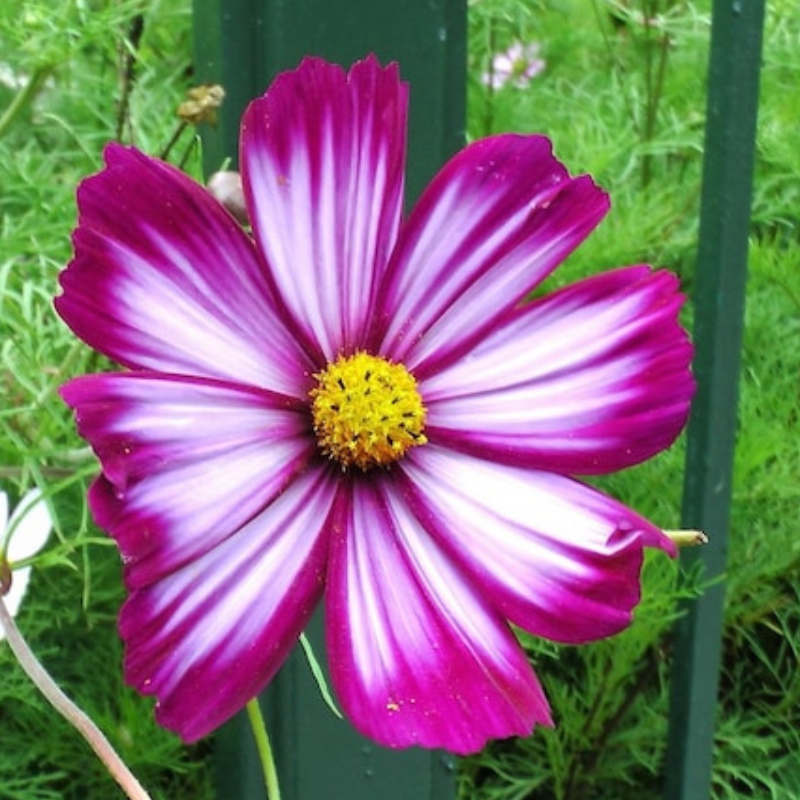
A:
{"x":127,"y":71}
{"x":75,"y":716}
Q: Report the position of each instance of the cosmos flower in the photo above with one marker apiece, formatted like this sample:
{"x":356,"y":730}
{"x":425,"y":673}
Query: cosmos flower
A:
{"x":21,"y":537}
{"x":517,"y":66}
{"x":353,"y":408}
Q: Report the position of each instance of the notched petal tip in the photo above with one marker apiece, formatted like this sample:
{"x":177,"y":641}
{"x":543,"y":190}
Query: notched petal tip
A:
{"x":312,"y":68}
{"x":322,"y":155}
{"x":586,"y":380}
{"x":151,"y":249}
{"x":496,"y":220}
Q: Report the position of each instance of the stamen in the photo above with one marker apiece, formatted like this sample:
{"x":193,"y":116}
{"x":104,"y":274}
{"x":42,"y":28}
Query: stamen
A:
{"x":367,"y":411}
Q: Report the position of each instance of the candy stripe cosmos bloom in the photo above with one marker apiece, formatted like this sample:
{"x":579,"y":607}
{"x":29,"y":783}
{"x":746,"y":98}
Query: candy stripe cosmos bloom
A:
{"x":357,"y":409}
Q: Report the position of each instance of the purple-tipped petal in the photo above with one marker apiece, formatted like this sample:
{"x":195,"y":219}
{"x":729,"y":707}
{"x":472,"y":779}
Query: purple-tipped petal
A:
{"x":552,"y":555}
{"x":323,"y":162}
{"x":186,"y":462}
{"x":497,"y":219}
{"x":417,"y":656}
{"x":590,"y":379}
{"x":207,"y":638}
{"x":163,"y":278}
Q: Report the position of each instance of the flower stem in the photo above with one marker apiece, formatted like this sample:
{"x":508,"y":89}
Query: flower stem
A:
{"x":74,"y":715}
{"x":264,"y":749}
{"x":172,"y":142}
{"x":24,"y":97}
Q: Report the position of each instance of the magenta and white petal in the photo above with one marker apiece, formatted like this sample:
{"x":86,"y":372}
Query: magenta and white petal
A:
{"x":495,"y":221}
{"x":186,"y":462}
{"x":417,"y":656}
{"x":163,"y":278}
{"x":208,"y":637}
{"x":590,"y":379}
{"x":323,"y":166}
{"x":553,"y":556}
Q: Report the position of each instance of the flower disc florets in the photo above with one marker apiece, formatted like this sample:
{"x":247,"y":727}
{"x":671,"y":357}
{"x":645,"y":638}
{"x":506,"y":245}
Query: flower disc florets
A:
{"x":367,"y":411}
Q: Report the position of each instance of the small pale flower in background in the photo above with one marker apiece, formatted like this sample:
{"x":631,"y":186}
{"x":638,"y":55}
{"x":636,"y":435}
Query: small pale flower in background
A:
{"x":517,"y":66}
{"x":21,"y":537}
{"x":10,"y":78}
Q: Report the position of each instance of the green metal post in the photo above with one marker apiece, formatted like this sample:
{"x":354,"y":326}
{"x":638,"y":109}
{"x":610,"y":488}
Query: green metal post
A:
{"x":320,"y":756}
{"x":719,"y":317}
{"x":243,"y":44}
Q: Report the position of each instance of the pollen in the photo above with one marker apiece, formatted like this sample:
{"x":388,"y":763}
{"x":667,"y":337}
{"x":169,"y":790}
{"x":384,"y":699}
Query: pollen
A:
{"x":367,"y":411}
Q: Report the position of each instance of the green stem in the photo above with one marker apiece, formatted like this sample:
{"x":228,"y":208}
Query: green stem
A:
{"x":23,"y":98}
{"x":488,"y":105}
{"x":171,"y":143}
{"x":264,"y":749}
{"x":74,"y":715}
{"x":193,"y":142}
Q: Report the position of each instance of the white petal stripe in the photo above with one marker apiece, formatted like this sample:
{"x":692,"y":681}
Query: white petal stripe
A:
{"x":554,"y":556}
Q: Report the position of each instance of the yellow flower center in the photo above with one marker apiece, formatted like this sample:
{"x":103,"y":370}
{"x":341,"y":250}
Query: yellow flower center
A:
{"x":367,"y":411}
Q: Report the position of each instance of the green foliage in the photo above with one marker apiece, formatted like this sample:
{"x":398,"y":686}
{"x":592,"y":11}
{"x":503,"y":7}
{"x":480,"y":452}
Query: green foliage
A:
{"x":642,"y":140}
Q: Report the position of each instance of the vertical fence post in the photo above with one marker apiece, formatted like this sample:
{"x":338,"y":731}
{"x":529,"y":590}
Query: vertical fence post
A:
{"x":243,"y":44}
{"x":732,"y":107}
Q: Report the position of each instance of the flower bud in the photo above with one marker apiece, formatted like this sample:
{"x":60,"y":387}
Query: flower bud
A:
{"x":226,"y":186}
